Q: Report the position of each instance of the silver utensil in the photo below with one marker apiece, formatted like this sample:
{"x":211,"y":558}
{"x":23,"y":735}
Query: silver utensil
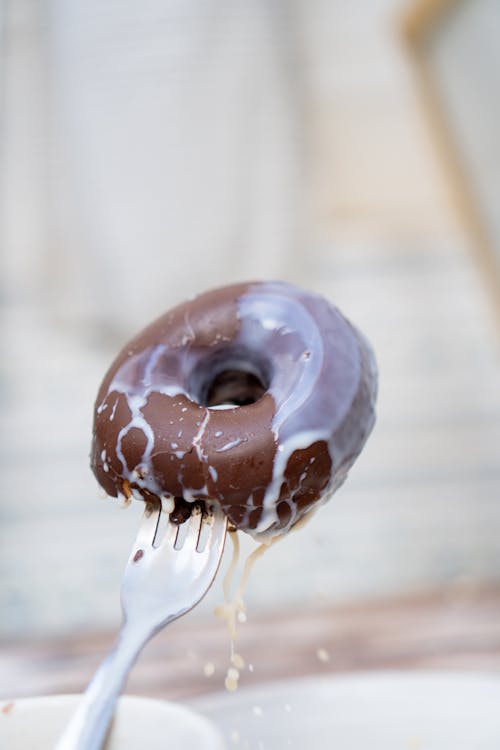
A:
{"x":170,"y":568}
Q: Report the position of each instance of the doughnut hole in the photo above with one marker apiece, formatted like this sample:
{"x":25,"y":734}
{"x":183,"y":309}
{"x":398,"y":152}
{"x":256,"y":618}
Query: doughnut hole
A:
{"x":234,"y":387}
{"x":233,"y":376}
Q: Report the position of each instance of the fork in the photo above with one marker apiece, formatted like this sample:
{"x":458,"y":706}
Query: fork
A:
{"x":166,"y":576}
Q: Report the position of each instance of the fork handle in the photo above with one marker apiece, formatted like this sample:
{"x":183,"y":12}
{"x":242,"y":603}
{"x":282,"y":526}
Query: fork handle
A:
{"x":88,"y":726}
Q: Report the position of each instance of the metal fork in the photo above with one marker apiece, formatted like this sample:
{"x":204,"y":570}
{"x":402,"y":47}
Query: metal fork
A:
{"x":161,"y":582}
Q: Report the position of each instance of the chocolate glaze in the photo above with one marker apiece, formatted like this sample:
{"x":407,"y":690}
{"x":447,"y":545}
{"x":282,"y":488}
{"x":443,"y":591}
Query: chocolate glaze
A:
{"x":257,"y":395}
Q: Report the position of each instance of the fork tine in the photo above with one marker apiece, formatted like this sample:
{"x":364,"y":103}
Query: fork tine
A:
{"x":147,"y":529}
{"x":194,"y":530}
{"x":217,"y":532}
{"x":171,"y":534}
{"x":212,"y":532}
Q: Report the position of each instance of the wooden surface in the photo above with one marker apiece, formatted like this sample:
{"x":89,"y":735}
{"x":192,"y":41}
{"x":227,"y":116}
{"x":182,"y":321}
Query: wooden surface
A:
{"x":452,"y":629}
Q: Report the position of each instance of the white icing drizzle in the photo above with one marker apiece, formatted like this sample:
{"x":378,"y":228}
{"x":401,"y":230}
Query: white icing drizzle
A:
{"x":199,"y":436}
{"x":228,"y":446}
{"x":191,"y":494}
{"x":113,"y":411}
{"x":135,"y":403}
{"x":137,"y":390}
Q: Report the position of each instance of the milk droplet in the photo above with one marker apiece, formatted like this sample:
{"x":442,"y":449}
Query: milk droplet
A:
{"x":209,"y":669}
{"x":323,"y":655}
{"x":238,"y":661}
{"x":231,"y":685}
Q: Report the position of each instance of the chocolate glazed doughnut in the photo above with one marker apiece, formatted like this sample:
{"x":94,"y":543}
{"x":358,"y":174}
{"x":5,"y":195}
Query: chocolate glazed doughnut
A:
{"x":259,"y":396}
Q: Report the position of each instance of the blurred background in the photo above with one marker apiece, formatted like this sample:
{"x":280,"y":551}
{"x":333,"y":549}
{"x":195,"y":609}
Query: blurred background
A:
{"x":151,"y":150}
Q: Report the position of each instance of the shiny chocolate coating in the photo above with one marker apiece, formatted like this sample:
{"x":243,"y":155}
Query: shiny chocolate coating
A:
{"x":257,"y":395}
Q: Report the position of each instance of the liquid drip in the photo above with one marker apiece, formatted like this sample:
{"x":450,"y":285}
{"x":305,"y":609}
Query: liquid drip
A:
{"x":233,"y":610}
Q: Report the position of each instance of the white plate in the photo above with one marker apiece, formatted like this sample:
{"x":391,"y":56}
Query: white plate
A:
{"x":139,"y":724}
{"x":375,"y":711}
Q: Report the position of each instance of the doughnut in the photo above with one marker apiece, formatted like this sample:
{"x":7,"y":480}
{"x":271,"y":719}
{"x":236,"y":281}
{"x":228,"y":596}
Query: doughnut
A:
{"x":258,"y":396}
